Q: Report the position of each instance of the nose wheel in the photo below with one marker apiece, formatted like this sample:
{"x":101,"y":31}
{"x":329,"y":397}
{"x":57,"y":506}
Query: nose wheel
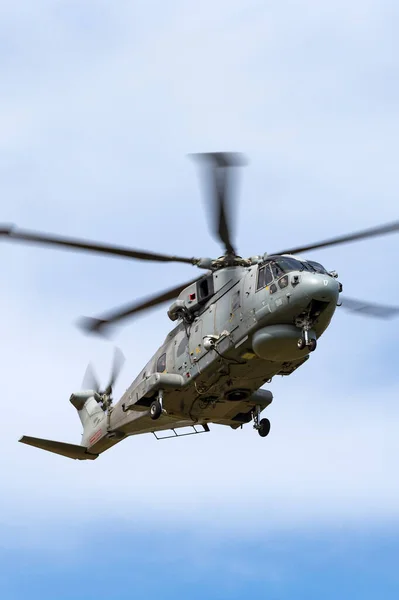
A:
{"x":261,"y":425}
{"x":306,"y":341}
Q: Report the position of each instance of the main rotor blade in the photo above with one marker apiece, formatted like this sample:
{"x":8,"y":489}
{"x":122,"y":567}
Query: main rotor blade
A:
{"x":117,"y":365}
{"x":99,"y":325}
{"x":343,"y":239}
{"x":369,"y":309}
{"x":220,"y":198}
{"x":12,"y":233}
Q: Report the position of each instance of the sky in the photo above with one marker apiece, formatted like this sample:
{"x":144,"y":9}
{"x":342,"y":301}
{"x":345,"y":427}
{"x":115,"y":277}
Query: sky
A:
{"x":100,"y":106}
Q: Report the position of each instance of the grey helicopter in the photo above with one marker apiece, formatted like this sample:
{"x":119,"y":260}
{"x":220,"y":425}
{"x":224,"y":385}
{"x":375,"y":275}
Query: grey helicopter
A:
{"x":241,"y":323}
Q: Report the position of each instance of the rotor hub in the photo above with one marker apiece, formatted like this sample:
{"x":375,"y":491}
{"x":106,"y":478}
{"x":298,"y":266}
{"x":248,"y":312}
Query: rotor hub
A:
{"x":230,"y":261}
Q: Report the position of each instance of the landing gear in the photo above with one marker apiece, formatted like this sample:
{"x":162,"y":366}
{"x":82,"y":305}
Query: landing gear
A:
{"x":262,"y":426}
{"x":308,"y":338}
{"x":156,"y":408}
{"x":306,"y":341}
{"x":312,"y":345}
{"x":301,"y":343}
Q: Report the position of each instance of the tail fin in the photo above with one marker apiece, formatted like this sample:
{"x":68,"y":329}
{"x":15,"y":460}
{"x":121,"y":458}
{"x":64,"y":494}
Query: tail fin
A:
{"x":69,"y":450}
{"x":93,"y":419}
{"x":90,"y":413}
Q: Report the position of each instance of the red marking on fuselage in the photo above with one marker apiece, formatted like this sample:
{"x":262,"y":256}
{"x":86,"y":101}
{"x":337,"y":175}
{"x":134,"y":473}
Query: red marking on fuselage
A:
{"x":95,"y":437}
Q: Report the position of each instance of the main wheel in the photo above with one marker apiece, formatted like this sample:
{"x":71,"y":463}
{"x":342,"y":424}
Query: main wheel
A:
{"x":264,"y":427}
{"x":312,"y":345}
{"x":155,"y":410}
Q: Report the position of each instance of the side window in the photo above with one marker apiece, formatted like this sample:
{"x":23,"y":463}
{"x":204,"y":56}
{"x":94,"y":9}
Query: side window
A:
{"x":261,"y":278}
{"x":161,"y":364}
{"x":283,"y":282}
{"x":265,"y":277}
{"x":277,"y":271}
{"x":235,"y":302}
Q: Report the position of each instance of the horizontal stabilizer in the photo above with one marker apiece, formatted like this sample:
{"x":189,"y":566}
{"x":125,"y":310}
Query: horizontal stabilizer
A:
{"x":69,"y":450}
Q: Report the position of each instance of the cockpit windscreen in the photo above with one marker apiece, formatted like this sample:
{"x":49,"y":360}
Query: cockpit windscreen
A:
{"x":317,"y":267}
{"x":285,"y":264}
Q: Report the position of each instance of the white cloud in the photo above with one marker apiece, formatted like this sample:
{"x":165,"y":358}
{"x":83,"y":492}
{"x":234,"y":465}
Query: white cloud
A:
{"x":96,"y":124}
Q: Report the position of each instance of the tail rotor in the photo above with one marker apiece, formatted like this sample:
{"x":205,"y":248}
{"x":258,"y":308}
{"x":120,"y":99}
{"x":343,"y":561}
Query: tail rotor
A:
{"x":90,"y":380}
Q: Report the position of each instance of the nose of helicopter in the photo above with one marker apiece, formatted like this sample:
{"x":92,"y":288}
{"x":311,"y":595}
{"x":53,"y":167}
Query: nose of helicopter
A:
{"x":320,"y":287}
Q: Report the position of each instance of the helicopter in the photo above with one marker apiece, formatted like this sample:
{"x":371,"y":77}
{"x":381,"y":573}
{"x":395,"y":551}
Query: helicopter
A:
{"x":238,"y":325}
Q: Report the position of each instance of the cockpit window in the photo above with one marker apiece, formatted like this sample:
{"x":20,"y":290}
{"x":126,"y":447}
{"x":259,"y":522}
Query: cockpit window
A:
{"x":261,"y":278}
{"x":317,"y":267}
{"x":277,"y":270}
{"x":161,"y":364}
{"x":283,"y":264}
{"x":306,"y":266}
{"x":264,"y":277}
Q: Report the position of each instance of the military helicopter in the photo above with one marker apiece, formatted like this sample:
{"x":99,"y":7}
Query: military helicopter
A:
{"x":238,"y":325}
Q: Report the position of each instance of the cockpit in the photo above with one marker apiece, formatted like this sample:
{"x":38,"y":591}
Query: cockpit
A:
{"x":276,"y":267}
{"x":286,"y":264}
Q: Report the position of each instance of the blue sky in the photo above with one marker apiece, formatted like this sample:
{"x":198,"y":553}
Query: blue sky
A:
{"x":348,"y":563}
{"x":100,"y":106}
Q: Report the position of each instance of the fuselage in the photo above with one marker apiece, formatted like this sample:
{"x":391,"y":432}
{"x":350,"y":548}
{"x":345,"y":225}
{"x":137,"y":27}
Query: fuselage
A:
{"x":244,"y":334}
